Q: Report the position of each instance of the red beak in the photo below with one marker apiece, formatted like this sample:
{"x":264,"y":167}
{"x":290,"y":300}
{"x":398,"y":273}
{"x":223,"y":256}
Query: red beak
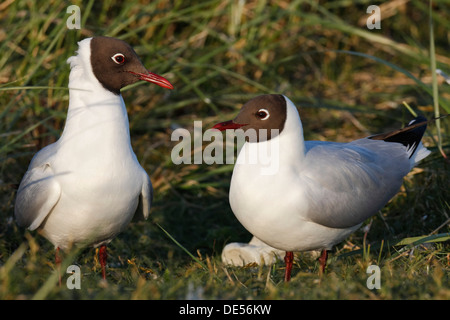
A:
{"x":153,"y":78}
{"x":228,"y":125}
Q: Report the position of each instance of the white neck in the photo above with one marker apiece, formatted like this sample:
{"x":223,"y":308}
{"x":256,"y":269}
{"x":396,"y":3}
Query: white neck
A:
{"x":91,"y":111}
{"x":97,"y":118}
{"x":284,"y":151}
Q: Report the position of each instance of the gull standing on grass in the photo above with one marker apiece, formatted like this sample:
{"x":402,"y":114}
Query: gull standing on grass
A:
{"x":321,"y":191}
{"x":86,"y":187}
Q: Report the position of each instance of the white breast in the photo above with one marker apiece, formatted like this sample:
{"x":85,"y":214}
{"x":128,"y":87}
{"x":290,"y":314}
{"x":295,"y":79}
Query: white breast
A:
{"x":97,"y":170}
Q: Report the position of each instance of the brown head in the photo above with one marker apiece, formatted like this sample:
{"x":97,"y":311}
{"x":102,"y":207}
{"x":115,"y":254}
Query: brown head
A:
{"x":116,"y":65}
{"x":266,"y":114}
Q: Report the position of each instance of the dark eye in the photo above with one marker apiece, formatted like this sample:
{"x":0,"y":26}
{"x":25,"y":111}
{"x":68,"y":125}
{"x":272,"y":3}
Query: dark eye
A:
{"x":263,"y":114}
{"x":118,"y":58}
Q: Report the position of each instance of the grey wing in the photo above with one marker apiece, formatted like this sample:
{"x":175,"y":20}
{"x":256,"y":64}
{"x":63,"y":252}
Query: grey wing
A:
{"x":145,"y":198}
{"x":348,"y":183}
{"x":38,"y":194}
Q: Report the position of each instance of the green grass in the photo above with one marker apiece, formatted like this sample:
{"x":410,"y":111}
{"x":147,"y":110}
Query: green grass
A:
{"x":347,"y":81}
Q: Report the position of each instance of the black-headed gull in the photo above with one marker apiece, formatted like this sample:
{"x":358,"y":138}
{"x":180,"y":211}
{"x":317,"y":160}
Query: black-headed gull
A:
{"x":86,"y":187}
{"x":317,"y":193}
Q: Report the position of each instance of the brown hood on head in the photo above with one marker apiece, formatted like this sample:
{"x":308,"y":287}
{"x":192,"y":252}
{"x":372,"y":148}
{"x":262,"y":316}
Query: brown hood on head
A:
{"x":116,"y":65}
{"x":265,"y":115}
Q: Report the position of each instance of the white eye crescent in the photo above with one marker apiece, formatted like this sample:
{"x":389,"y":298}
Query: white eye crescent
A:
{"x":263,"y":114}
{"x":118,"y":58}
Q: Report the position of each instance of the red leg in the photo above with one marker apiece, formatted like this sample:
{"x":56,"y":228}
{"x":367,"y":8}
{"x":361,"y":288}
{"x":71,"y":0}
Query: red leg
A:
{"x":288,"y":260}
{"x":58,"y":264}
{"x":102,"y":255}
{"x":323,"y":261}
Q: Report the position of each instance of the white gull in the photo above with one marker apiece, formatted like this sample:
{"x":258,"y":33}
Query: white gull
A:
{"x":321,"y":191}
{"x":86,"y":187}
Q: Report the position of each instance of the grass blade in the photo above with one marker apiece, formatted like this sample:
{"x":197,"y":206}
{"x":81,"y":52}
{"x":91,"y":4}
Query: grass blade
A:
{"x":182,"y":247}
{"x":434,"y":83}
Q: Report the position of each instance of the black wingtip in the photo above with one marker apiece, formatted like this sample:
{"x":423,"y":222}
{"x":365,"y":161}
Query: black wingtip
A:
{"x":409,"y":136}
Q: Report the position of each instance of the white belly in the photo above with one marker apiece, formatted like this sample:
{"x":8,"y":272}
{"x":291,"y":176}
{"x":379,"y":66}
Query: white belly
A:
{"x":276,"y":213}
{"x":93,"y":207}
